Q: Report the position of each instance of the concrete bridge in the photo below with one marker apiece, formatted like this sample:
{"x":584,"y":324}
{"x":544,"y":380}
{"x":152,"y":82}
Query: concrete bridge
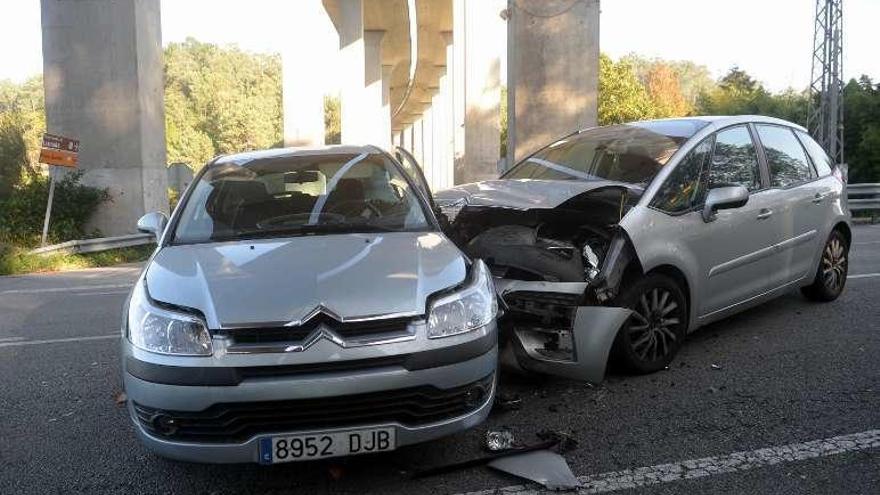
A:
{"x":421,"y":74}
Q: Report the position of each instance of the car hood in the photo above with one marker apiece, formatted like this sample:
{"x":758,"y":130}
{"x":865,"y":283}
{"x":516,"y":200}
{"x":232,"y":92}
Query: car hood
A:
{"x":523,"y":194}
{"x":277,"y":281}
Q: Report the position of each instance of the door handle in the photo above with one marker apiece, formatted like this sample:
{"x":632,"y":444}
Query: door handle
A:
{"x":818,"y":198}
{"x":765,"y":213}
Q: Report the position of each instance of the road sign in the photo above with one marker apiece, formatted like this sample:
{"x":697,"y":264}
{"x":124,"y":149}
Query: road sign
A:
{"x":59,"y":151}
{"x":62,"y":152}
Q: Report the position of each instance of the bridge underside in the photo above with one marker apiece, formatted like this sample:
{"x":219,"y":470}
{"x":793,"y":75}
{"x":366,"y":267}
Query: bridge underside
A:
{"x":421,"y":74}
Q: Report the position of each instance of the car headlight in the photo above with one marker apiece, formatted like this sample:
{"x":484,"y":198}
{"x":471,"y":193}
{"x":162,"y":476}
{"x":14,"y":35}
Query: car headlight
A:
{"x":469,"y":308}
{"x":159,"y":330}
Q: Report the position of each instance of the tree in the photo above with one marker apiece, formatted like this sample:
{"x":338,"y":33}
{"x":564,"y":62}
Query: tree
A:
{"x":622,"y":97}
{"x":220,"y":100}
{"x":665,"y":92}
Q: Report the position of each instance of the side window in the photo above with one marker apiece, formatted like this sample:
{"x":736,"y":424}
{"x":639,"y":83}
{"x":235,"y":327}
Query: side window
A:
{"x":820,"y":159}
{"x":681,"y":191}
{"x":734,"y":161}
{"x":785,"y":156}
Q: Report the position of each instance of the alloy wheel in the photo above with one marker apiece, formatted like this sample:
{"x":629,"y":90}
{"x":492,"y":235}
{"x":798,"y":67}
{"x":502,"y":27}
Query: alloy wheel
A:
{"x":652,"y":329}
{"x":834,"y":265}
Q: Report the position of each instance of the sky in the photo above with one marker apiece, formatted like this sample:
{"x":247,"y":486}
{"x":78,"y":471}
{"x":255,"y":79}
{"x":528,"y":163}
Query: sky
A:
{"x":770,"y":39}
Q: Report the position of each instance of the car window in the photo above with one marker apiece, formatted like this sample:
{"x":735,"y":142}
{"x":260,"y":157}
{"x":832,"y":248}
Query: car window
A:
{"x":681,"y":191}
{"x":300,"y":195}
{"x":821,"y":160}
{"x":785,"y":156}
{"x":631,"y":153}
{"x":734,"y":160}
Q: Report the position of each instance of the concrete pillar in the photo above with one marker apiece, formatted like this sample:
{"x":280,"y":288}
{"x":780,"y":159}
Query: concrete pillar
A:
{"x":446,"y":88}
{"x":428,"y":145}
{"x":353,"y":69}
{"x":477,"y":88}
{"x":386,"y":105}
{"x":102,"y":69}
{"x":418,"y":143}
{"x":303,"y":75}
{"x":376,"y":117}
{"x":438,"y":115}
{"x":552,"y":71}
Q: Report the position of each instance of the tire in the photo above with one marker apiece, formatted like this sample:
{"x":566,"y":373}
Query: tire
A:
{"x":830,"y":278}
{"x":651,"y":338}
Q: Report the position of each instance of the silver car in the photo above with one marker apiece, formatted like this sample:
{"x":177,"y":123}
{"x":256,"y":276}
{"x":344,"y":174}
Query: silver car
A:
{"x":304,"y":304}
{"x":618,"y":241}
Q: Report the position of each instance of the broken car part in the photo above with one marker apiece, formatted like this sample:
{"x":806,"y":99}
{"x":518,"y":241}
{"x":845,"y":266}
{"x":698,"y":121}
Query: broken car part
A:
{"x":544,"y":467}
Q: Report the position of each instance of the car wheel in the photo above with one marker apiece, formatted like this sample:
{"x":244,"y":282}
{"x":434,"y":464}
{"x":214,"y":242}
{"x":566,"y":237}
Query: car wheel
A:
{"x":655,"y":331}
{"x":831,"y":275}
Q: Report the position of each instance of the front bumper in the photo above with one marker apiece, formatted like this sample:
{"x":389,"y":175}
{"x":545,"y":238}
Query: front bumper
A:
{"x":309,"y":386}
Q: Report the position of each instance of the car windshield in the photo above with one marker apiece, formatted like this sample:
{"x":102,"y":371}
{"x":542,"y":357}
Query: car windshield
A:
{"x":631,"y":153}
{"x":300,"y":195}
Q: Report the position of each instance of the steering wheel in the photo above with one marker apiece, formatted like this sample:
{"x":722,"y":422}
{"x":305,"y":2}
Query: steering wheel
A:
{"x":298,"y":219}
{"x":350,"y":208}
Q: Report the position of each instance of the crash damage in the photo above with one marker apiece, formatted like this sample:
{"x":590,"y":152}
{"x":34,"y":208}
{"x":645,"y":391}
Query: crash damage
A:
{"x":559,"y":258}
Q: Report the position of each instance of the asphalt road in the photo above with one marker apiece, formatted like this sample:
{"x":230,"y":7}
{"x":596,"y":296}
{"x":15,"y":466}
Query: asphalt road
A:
{"x":786,"y":375}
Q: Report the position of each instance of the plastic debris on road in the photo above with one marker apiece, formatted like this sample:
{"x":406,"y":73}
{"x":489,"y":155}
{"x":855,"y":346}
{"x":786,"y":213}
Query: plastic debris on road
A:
{"x":541,"y":466}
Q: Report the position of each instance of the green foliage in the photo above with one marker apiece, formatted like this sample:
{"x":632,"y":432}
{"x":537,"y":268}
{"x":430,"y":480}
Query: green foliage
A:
{"x":622,"y":97}
{"x":502,"y":121}
{"x":332,"y":120}
{"x":861,"y":132}
{"x":15,"y":260}
{"x":220,"y":100}
{"x":21,"y":222}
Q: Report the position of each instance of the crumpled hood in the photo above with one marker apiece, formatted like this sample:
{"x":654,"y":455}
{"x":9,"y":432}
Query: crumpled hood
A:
{"x":274,"y":281}
{"x":523,"y":194}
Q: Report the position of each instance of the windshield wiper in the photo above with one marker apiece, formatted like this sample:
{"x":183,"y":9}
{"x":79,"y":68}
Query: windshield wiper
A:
{"x":310,"y":229}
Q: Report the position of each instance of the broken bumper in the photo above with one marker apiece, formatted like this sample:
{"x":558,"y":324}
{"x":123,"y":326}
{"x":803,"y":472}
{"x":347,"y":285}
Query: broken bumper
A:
{"x":586,"y":342}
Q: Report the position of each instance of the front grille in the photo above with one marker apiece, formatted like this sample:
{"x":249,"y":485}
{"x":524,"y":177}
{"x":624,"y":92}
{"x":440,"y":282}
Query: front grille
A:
{"x":347,"y":330}
{"x":237,"y":422}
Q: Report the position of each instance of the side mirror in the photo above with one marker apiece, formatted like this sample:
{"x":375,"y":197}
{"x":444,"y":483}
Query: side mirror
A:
{"x":724,"y":198}
{"x":153,"y":223}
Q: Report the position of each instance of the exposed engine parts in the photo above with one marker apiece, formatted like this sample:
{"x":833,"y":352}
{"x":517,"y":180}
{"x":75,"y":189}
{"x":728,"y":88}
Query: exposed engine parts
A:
{"x":551,"y":265}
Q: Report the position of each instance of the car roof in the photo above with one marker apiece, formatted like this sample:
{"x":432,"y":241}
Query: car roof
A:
{"x":725,"y":120}
{"x":276,"y":153}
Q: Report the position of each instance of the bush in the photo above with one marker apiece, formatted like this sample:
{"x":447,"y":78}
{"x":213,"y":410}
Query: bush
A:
{"x":22,"y":212}
{"x":15,"y":260}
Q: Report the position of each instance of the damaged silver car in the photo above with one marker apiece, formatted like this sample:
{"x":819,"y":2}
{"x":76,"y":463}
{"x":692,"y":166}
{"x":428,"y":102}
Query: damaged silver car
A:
{"x":618,"y":241}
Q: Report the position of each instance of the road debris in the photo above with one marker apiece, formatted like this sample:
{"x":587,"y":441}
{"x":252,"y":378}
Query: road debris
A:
{"x":499,"y":440}
{"x":541,"y":466}
{"x":505,"y":403}
{"x":715,"y":366}
{"x":120,"y":398}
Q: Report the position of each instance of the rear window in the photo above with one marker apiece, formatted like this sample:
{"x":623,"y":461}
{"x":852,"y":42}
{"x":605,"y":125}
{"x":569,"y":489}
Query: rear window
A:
{"x":786,"y":157}
{"x":820,"y":159}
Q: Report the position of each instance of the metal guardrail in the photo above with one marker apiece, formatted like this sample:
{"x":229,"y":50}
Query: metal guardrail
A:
{"x":96,"y":245}
{"x":859,"y":196}
{"x":863,"y":196}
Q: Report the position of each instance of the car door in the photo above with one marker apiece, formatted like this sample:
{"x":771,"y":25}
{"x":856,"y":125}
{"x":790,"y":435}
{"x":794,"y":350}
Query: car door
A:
{"x":797,"y":197}
{"x":730,"y":250}
{"x":414,"y":171}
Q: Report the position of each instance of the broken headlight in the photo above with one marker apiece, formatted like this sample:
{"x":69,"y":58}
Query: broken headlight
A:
{"x":467,"y":309}
{"x":159,"y":330}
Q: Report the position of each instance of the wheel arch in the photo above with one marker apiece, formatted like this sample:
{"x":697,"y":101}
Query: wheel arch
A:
{"x":844,"y":229}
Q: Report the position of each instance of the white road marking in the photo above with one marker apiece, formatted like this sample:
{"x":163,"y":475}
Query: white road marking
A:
{"x":866,"y":243}
{"x":11,"y":339}
{"x":114,"y":293}
{"x":58,"y":341}
{"x":864,"y":275}
{"x":66,"y":289}
{"x":710,"y":466}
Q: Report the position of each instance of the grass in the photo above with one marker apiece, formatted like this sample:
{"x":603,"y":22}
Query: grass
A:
{"x":16,"y":260}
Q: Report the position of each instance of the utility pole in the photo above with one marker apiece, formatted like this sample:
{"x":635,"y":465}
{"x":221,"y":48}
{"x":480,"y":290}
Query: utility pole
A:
{"x":825,"y":118}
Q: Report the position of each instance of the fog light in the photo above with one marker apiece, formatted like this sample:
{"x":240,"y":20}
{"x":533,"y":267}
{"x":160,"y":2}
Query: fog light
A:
{"x":475,"y":396}
{"x":164,"y":424}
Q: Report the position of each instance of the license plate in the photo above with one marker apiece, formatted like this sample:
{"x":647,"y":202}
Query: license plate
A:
{"x":290,"y":448}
